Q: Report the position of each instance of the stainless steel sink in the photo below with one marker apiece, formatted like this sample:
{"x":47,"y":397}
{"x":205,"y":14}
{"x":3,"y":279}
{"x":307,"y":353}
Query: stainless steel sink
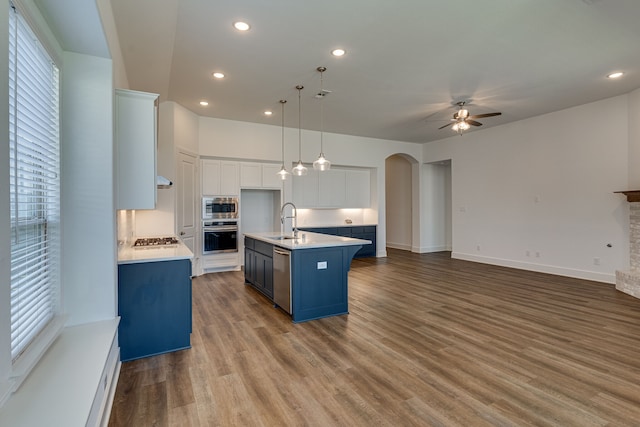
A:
{"x":282,"y":238}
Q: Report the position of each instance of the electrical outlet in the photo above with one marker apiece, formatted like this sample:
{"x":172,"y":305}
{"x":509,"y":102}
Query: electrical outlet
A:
{"x":528,"y":253}
{"x":478,"y":248}
{"x":596,"y":261}
{"x":537,"y":254}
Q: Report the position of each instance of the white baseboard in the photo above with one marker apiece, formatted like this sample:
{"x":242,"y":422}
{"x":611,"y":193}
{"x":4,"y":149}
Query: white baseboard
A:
{"x":429,"y":249}
{"x":540,"y":268}
{"x":401,"y":246}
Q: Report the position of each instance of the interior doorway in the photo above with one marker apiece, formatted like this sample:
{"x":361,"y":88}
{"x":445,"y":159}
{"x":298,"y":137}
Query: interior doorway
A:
{"x":399,"y":203}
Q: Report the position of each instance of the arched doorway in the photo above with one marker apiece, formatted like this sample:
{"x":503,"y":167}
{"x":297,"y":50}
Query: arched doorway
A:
{"x":400,"y":204}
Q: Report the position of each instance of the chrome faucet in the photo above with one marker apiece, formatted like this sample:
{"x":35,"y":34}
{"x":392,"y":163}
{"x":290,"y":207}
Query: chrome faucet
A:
{"x":294,"y":217}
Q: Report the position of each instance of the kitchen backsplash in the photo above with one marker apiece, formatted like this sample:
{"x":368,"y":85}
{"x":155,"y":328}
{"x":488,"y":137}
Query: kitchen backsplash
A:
{"x":334,"y":217}
{"x":126,"y":226}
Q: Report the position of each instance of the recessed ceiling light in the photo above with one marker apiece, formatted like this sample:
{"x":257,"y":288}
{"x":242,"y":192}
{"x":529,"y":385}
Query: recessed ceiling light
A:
{"x":204,"y":103}
{"x":338,"y":52}
{"x":616,"y":75}
{"x":241,"y":26}
{"x":218,"y":75}
{"x":268,"y":113}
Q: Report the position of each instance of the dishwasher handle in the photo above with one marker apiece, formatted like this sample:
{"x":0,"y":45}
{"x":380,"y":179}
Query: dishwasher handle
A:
{"x":281,"y":251}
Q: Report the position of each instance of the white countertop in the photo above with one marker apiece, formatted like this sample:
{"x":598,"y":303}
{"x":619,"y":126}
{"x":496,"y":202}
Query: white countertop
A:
{"x":307,"y":240}
{"x":336,"y":225}
{"x":129,"y":255}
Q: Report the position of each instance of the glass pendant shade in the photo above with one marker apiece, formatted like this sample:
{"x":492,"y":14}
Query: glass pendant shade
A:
{"x":283,"y":173}
{"x":321,"y":163}
{"x":299,"y":169}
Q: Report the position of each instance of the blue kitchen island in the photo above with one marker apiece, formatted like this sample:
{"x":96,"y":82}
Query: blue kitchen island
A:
{"x":317,"y":276}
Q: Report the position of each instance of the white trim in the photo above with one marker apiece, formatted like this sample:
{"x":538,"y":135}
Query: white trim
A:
{"x":429,"y":249}
{"x":540,"y":268}
{"x":401,"y":246}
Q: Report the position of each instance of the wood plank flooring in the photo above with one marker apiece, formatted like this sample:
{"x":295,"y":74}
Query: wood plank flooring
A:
{"x":429,"y":341}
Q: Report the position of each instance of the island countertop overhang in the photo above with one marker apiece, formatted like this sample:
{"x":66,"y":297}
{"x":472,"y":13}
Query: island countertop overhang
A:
{"x":306,"y":240}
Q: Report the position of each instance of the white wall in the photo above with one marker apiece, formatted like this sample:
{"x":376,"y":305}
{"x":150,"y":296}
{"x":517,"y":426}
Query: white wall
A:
{"x":543,"y":185}
{"x":88,"y":206}
{"x":634,"y":141}
{"x":399,"y":203}
{"x":120,"y":79}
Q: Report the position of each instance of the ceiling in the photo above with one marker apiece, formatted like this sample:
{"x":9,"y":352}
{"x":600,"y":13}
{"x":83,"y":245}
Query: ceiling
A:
{"x":407,"y":62}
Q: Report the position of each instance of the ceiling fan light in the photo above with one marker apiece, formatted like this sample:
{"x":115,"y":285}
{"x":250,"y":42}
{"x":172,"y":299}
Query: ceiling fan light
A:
{"x":321,"y":163}
{"x":299,"y":169}
{"x":463,"y":114}
{"x":463,"y":126}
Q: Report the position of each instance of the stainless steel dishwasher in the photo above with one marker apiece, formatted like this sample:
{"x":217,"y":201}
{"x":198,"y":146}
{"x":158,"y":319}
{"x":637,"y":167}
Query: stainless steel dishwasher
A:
{"x":282,"y":278}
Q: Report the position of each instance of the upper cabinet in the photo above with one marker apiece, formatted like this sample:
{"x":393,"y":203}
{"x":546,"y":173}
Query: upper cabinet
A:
{"x":335,"y":188}
{"x":260,"y":175}
{"x":358,"y":188}
{"x":136,"y":134}
{"x":220,"y":178}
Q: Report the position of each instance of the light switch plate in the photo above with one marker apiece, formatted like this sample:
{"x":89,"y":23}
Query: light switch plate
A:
{"x":322,"y":265}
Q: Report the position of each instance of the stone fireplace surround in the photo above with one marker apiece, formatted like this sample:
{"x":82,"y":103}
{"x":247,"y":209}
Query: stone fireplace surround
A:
{"x":629,"y":281}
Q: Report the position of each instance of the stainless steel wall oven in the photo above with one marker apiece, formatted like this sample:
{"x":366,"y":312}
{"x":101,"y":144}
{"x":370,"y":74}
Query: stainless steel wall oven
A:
{"x":219,"y":236}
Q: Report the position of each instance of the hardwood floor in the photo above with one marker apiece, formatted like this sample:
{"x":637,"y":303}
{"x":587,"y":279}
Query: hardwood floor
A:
{"x":429,"y":341}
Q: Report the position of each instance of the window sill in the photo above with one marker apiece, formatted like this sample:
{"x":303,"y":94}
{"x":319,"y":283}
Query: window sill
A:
{"x":63,"y":388}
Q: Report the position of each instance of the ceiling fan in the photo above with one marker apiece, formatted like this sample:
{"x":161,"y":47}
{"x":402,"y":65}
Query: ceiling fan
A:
{"x":462,"y":120}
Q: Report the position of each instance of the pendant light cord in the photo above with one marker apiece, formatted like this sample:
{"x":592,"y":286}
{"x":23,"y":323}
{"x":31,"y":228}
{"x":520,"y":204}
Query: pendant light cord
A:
{"x":299,"y":87}
{"x":282,"y":102}
{"x":321,"y":115}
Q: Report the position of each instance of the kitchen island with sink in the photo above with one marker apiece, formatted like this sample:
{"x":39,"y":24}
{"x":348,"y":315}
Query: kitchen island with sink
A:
{"x":306,"y":276}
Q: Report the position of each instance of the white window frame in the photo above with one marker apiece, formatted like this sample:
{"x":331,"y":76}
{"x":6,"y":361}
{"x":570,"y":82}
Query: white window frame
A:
{"x":24,"y":357}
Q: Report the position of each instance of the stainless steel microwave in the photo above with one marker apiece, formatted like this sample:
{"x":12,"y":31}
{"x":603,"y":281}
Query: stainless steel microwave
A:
{"x":219,"y":207}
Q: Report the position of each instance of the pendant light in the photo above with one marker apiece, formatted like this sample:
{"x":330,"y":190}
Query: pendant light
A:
{"x":299,"y":169}
{"x":283,"y":171}
{"x":321,"y":163}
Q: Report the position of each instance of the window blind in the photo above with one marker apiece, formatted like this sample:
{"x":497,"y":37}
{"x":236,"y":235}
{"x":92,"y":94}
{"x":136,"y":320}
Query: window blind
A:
{"x":34,"y":158}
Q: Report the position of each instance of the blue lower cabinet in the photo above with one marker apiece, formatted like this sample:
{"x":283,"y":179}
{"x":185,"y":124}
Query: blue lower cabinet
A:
{"x":154,"y":305}
{"x":366,"y":232}
{"x":319,"y":282}
{"x":258,"y":265}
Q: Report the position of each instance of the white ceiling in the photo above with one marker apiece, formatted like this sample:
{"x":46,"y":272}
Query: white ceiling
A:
{"x":407,"y":61}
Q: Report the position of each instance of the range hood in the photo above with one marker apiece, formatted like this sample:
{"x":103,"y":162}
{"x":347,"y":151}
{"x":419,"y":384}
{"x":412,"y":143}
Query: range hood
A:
{"x":163,"y":182}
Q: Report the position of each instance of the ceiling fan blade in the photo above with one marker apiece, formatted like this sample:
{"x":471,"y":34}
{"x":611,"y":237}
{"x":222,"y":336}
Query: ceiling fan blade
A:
{"x":447,"y":125}
{"x":479,"y":116}
{"x":473,"y":122}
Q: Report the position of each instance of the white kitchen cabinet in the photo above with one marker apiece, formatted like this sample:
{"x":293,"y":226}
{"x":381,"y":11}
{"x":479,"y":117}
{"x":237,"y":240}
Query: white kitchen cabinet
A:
{"x":259,"y":175}
{"x":136,"y":134}
{"x":335,"y":188}
{"x":305,"y":190}
{"x":332,"y":189}
{"x":358,"y":188}
{"x":220,"y":178}
{"x":270,"y":177}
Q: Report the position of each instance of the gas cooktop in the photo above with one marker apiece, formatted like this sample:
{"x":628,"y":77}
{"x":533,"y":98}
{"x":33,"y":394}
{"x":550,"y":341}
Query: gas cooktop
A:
{"x":149,"y":242}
